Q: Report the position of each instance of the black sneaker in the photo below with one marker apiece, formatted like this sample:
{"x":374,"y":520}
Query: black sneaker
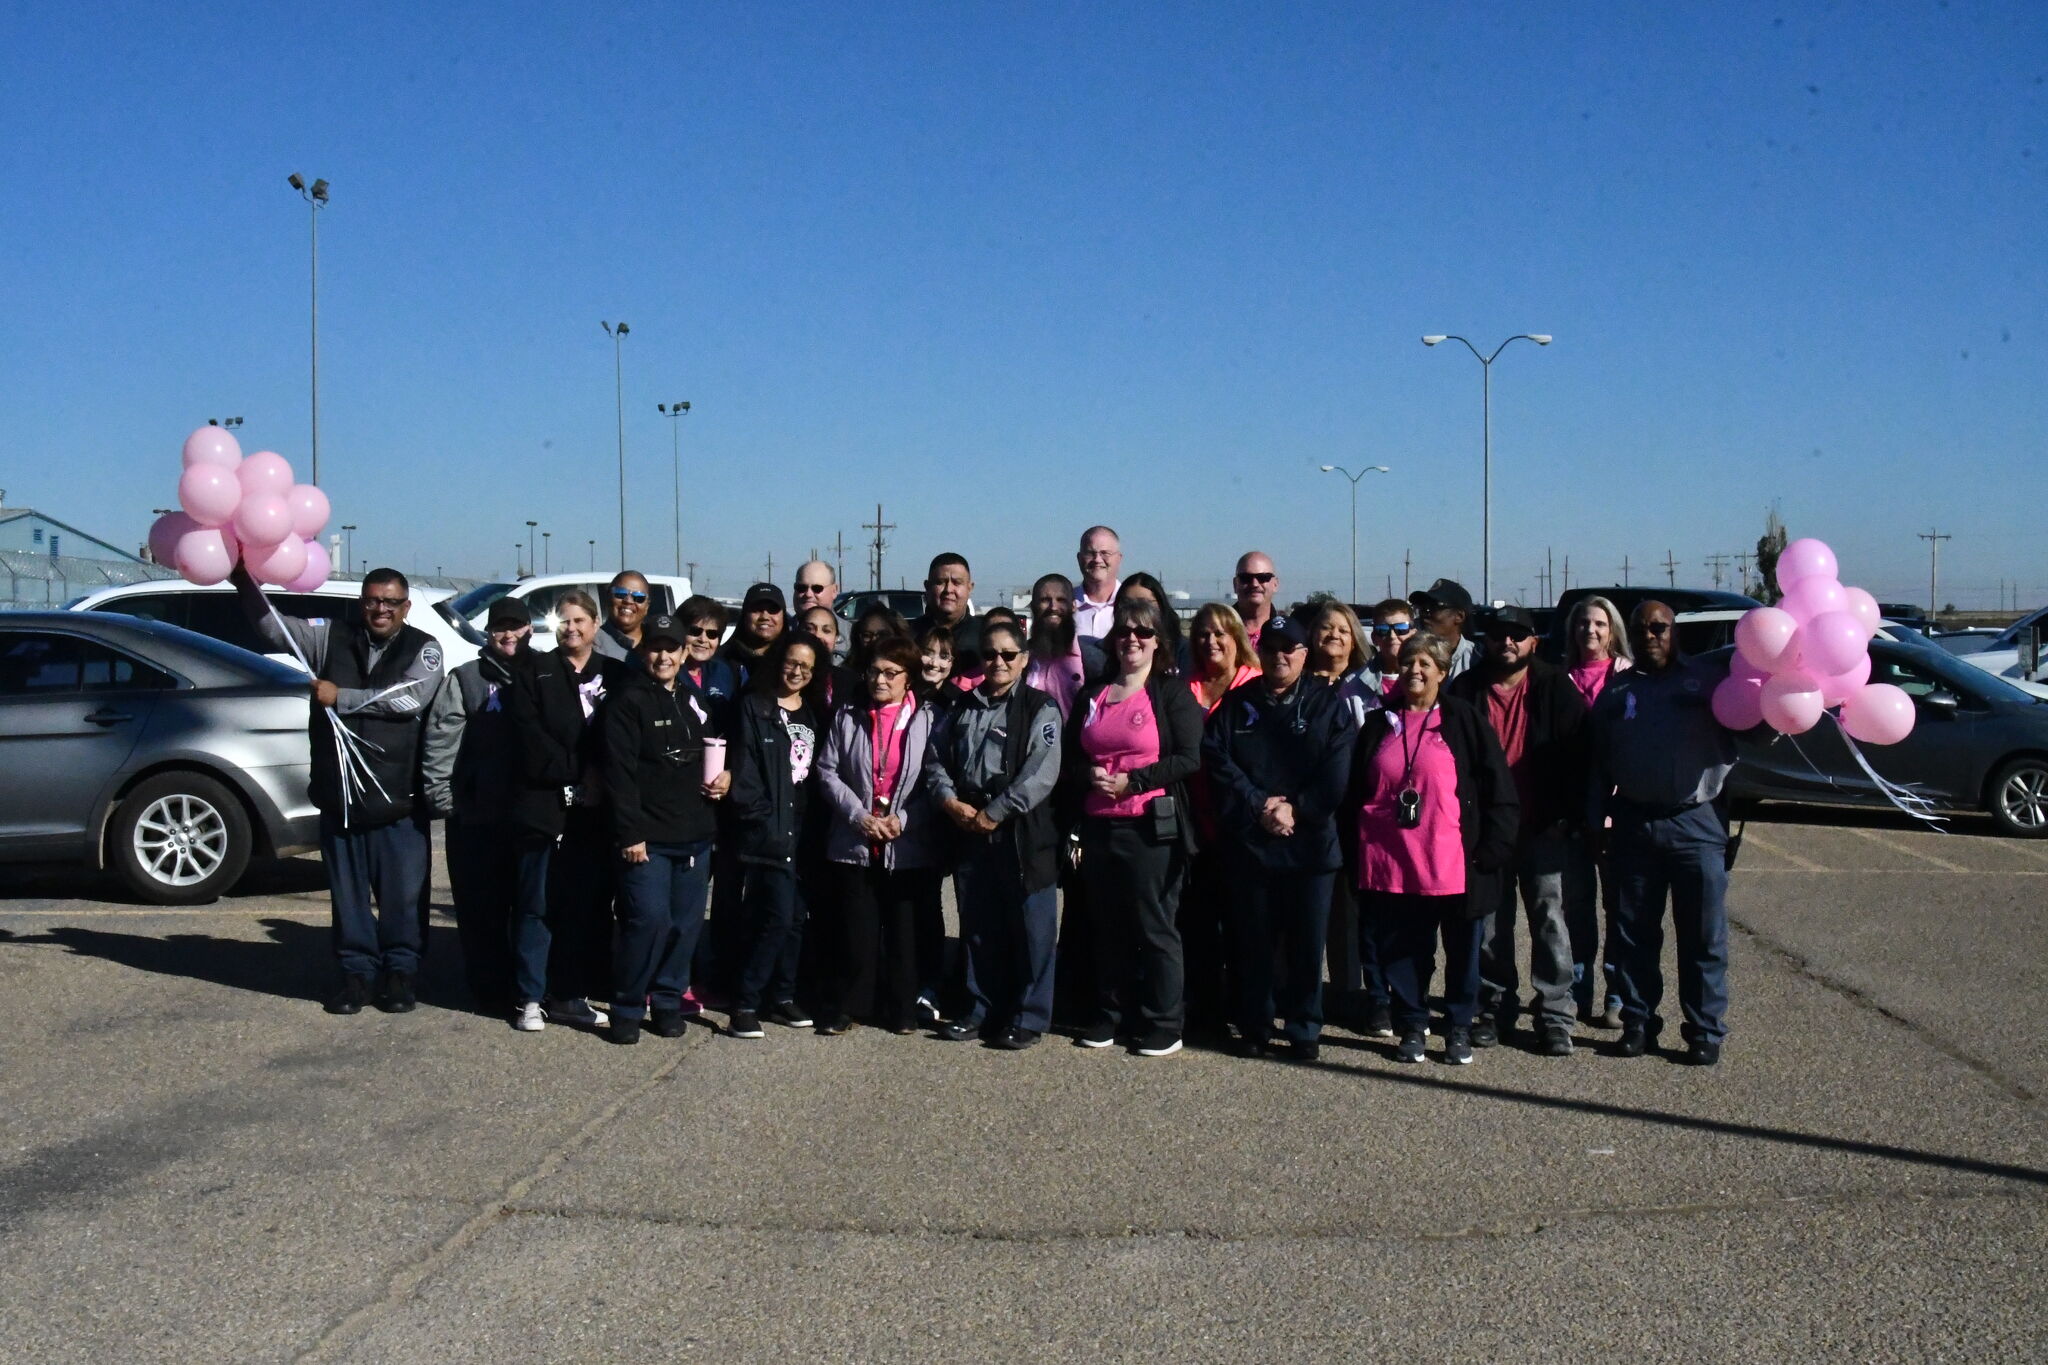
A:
{"x":1243,"y":1045}
{"x":1016,"y":1039}
{"x":744,"y":1024}
{"x":624,"y":1032}
{"x":1299,"y":1050}
{"x":668,"y":1024}
{"x":786,"y":1014}
{"x":1702,"y":1053}
{"x":1379,"y":1020}
{"x":576,"y":1013}
{"x":1160,"y":1042}
{"x":1557,"y":1041}
{"x":1483,"y":1033}
{"x":960,"y":1031}
{"x":1634,"y":1041}
{"x":395,"y":993}
{"x":1097,"y":1035}
{"x":355,"y":993}
{"x":1411,"y":1048}
{"x":1458,"y":1047}
{"x":837,"y":1026}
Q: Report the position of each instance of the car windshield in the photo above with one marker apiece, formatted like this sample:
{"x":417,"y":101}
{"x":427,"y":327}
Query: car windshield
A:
{"x":468,"y":603}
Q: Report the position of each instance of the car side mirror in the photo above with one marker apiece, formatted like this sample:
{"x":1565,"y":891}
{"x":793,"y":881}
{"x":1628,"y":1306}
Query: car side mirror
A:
{"x":1941,"y":701}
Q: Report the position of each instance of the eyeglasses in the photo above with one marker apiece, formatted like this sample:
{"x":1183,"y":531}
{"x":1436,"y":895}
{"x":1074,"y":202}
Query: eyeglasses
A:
{"x":701,"y":633}
{"x":382,"y":603}
{"x":792,"y":666}
{"x":1008,"y":656}
{"x":628,"y":595}
{"x":1089,"y":555}
{"x":1655,"y":627}
{"x":882,"y":674}
{"x":1256,"y":577}
{"x":1394,"y":628}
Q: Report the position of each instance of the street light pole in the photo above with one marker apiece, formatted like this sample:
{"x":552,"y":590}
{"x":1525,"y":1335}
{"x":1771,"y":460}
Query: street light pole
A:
{"x":547,"y":553}
{"x":618,"y":336}
{"x":1486,"y":418}
{"x":348,"y":553}
{"x":529,"y":543}
{"x":1354,"y":478}
{"x":593,"y":556}
{"x":316,"y":196}
{"x":673,"y":411}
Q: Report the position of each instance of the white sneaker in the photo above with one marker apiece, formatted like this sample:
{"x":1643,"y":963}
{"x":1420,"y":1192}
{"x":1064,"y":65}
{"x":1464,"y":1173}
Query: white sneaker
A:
{"x":529,"y":1018}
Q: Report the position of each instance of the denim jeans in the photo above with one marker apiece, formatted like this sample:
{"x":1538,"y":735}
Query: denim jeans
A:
{"x":1537,"y":888}
{"x":562,"y":921}
{"x":1588,"y":905}
{"x":661,"y":910}
{"x":1680,"y":859}
{"x":387,"y":864}
{"x":771,"y":935}
{"x":1009,"y":935}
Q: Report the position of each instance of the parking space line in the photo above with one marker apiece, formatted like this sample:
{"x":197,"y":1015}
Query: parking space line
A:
{"x":2032,"y":850}
{"x":1902,"y":847}
{"x":1802,"y":864}
{"x":145,"y":912}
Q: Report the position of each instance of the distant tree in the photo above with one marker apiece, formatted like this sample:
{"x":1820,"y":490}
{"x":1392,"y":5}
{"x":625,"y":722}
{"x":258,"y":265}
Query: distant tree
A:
{"x":1769,"y":546}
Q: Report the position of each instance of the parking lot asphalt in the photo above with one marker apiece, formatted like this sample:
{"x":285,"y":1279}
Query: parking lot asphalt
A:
{"x":196,"y":1163}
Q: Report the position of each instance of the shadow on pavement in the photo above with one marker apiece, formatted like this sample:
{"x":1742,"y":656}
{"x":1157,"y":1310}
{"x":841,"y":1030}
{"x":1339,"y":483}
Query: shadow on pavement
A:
{"x":1862,"y":817}
{"x":69,"y":881}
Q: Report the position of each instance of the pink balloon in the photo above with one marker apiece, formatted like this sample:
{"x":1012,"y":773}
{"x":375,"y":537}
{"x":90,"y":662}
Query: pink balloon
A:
{"x":1878,"y":713}
{"x":262,"y":520}
{"x":1814,"y":597}
{"x":316,"y":570}
{"x":1804,"y":559}
{"x":1739,"y":703}
{"x":279,"y":563}
{"x":1863,"y":607}
{"x":1739,"y":667}
{"x":213,"y":445}
{"x":309,"y":510}
{"x":1838,"y":689}
{"x":1764,"y":638}
{"x":209,"y":494}
{"x":1831,"y":643}
{"x":265,"y":472}
{"x":1791,"y":702}
{"x":207,"y":556}
{"x":163,"y":537}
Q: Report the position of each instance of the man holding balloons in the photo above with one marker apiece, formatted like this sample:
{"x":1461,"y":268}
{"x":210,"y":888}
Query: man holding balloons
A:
{"x":1658,"y":763}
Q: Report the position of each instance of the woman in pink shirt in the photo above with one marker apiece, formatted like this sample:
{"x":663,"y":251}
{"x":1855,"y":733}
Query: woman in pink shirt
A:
{"x":1596,"y":648}
{"x":1434,"y":814}
{"x":1132,"y":743}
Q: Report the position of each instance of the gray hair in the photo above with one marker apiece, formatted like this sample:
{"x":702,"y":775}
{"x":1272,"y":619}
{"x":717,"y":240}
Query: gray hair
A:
{"x":1435,"y":646}
{"x":1617,"y":633}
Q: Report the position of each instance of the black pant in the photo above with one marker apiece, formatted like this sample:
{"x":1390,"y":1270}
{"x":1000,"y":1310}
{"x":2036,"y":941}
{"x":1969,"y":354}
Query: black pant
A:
{"x":772,"y":936}
{"x":1204,"y":906}
{"x":877,"y":970}
{"x":1133,"y":894}
{"x":1409,"y":927}
{"x":483,"y":870}
{"x":388,"y":863}
{"x":1279,"y":922}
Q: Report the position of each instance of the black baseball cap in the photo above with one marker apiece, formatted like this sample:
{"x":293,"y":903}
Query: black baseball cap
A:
{"x":1444,"y":592}
{"x":1516,"y":616}
{"x":764,"y":594}
{"x":508,"y":613}
{"x":663,"y":627}
{"x":1282,"y":633}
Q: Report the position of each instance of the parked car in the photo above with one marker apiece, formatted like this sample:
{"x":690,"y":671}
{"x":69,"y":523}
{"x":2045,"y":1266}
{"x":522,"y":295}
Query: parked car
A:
{"x":905,"y":602}
{"x":466,"y":611}
{"x":1682,"y":601}
{"x":215,"y":612}
{"x":154,"y":751}
{"x":1968,"y":640}
{"x":1907,"y":615}
{"x":2003,"y":655}
{"x":1978,"y":744}
{"x":1701,"y":632}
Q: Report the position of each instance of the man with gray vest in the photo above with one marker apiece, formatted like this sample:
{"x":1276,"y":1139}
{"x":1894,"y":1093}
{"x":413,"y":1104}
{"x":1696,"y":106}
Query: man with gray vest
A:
{"x":379,"y":675}
{"x":470,"y":768}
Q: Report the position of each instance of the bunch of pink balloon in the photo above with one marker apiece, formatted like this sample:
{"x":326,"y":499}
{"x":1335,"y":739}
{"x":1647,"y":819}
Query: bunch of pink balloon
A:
{"x":1811,"y":652}
{"x":247,"y":509}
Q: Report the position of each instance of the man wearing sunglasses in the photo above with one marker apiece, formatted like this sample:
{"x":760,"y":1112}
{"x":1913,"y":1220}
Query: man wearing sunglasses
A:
{"x":1540,"y":719}
{"x":1258,"y":585}
{"x":625,"y":608}
{"x":381,"y":675}
{"x":1658,"y":764}
{"x":1442,"y":609}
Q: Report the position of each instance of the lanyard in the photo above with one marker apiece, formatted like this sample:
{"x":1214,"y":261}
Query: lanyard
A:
{"x":1409,"y":757}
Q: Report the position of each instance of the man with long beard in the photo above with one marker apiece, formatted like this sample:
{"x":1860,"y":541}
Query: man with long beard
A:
{"x":1061,"y":657}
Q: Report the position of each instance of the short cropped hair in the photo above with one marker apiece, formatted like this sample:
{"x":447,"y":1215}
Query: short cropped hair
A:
{"x":1394,"y":606}
{"x":1435,"y":646}
{"x":376,"y":576}
{"x":698,"y":609}
{"x":576,"y":597}
{"x":941,"y":561}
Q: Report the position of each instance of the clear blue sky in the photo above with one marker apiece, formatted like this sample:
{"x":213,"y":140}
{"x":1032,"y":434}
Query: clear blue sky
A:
{"x":1012,"y":269}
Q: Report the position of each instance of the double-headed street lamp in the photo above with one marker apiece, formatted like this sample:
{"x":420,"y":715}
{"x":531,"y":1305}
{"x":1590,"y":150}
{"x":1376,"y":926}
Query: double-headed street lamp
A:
{"x":672,"y":411}
{"x":618,"y":336}
{"x":315,"y":195}
{"x":1369,"y":469}
{"x":1486,"y":401}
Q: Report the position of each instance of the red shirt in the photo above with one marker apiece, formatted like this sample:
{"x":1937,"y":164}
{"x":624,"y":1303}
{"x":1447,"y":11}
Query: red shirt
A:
{"x":1508,"y":709}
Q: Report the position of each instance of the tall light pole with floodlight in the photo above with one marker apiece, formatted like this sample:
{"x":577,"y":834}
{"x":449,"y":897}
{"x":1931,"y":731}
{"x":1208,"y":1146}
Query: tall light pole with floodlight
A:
{"x":672,"y":411}
{"x":1486,"y":446}
{"x":618,"y":336}
{"x":315,"y":196}
{"x":1354,"y":478}
{"x":547,"y":553}
{"x":348,"y":552}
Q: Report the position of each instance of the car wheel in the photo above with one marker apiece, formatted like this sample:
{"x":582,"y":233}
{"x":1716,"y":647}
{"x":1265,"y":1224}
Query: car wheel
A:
{"x":179,"y":839}
{"x":2019,"y":798}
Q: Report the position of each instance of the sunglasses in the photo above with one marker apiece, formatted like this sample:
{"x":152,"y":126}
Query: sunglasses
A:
{"x":1396,"y":628}
{"x":1655,"y":627}
{"x":1517,"y":634}
{"x":1008,"y":656}
{"x":628,"y":595}
{"x":701,"y":633}
{"x":1256,"y":577}
{"x":1138,"y":632}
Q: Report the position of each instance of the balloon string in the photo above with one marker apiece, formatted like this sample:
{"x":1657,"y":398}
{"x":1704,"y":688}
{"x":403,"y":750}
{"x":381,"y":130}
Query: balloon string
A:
{"x":348,"y":745}
{"x":1903,"y":796}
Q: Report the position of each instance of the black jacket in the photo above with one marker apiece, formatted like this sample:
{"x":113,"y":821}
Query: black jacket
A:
{"x":1489,"y":815}
{"x":768,"y":808}
{"x":1553,"y":751}
{"x":1179,"y":718}
{"x":654,"y":765}
{"x":1299,"y":746}
{"x":556,"y":745}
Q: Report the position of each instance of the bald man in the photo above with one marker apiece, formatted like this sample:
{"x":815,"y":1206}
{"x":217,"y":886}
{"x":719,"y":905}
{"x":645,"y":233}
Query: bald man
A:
{"x":816,"y":586}
{"x":1258,"y":586}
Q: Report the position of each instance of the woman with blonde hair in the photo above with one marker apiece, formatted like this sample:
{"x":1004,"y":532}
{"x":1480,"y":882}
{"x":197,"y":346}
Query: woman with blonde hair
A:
{"x":1595,"y":649}
{"x":1220,"y":657}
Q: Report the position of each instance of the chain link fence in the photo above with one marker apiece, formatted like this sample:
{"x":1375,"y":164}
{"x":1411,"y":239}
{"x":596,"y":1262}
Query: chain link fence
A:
{"x":40,"y":582}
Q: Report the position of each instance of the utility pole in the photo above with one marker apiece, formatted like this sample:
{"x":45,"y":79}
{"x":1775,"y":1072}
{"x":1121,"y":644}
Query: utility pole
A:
{"x":1670,"y":570}
{"x":691,"y":565}
{"x":839,"y":556}
{"x":771,"y":566}
{"x":1549,"y":579}
{"x":1624,"y":571}
{"x":1717,"y":563}
{"x":1742,"y":568}
{"x":1934,"y":538}
{"x":1407,"y":558}
{"x":878,"y":526}
{"x":1390,"y":584}
{"x":1567,"y":576}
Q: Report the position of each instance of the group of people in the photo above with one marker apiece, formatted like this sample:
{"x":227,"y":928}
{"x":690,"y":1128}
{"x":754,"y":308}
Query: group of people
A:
{"x":1219,"y":832}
